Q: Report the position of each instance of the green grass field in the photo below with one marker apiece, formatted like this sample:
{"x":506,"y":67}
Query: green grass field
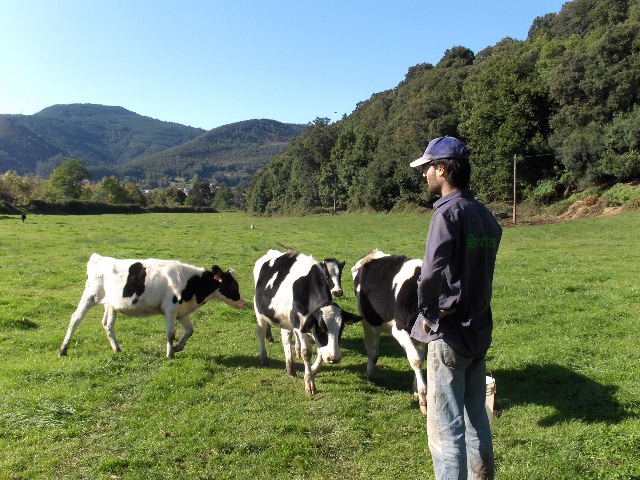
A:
{"x":566,"y":358}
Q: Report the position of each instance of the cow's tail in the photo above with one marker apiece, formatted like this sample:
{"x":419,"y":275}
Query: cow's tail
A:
{"x":288,"y":249}
{"x":375,"y":253}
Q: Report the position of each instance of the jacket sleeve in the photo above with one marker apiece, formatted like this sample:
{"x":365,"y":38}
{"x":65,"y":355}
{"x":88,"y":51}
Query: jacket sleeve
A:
{"x":435,"y":268}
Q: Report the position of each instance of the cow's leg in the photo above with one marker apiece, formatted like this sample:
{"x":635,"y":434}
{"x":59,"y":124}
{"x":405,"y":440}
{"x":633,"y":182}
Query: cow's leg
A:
{"x":188,"y":331}
{"x":306,"y":349}
{"x":261,"y":331}
{"x":415,"y":356}
{"x":297,"y":347}
{"x":316,"y":365}
{"x":87,"y":302}
{"x":269,"y":334}
{"x":109,"y":324}
{"x":372,"y":344}
{"x":286,"y":344}
{"x":170,"y":327}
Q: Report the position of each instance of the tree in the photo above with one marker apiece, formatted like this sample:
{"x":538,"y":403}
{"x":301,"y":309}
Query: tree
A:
{"x":114,"y":192}
{"x":223,"y":198}
{"x":135,"y":194}
{"x":200,"y":195}
{"x":66,"y":181}
{"x":17,"y":189}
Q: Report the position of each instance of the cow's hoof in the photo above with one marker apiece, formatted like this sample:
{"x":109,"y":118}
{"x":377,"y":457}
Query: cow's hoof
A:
{"x":423,"y":409}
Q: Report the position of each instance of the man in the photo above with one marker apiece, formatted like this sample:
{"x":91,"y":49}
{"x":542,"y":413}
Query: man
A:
{"x":454,"y":295}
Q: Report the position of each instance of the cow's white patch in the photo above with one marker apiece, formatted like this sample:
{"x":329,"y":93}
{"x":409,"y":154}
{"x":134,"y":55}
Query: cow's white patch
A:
{"x":272,"y":280}
{"x":405,"y":273}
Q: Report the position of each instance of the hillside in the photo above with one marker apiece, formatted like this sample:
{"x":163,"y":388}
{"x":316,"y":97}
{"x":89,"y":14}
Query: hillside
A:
{"x":101,"y":135}
{"x":228,"y":154}
{"x":564,"y":103}
{"x":21,"y":150}
{"x":115,"y":141}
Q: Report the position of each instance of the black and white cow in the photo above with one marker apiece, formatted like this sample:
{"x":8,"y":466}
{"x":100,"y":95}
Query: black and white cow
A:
{"x":387,"y":294}
{"x":292,"y":293}
{"x":140,"y":288}
{"x":332,"y":269}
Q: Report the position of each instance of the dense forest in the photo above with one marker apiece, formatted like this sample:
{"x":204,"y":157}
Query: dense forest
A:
{"x":563,"y":103}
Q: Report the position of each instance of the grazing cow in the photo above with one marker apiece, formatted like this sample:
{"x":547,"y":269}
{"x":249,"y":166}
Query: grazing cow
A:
{"x":140,"y":288}
{"x":332,"y":269}
{"x":292,"y":293}
{"x":387,"y":294}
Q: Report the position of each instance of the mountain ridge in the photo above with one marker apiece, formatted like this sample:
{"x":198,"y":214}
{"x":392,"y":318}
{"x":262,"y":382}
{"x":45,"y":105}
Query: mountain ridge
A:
{"x":112,"y":140}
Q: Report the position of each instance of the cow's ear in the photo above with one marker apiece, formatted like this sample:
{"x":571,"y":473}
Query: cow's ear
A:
{"x":308,"y":323}
{"x":217,"y":272}
{"x":350,"y":318}
{"x":340,"y":266}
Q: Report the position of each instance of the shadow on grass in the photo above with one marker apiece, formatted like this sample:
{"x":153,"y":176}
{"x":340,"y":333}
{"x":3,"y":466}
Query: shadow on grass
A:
{"x":387,"y":378}
{"x":245,"y":361}
{"x":571,"y":394}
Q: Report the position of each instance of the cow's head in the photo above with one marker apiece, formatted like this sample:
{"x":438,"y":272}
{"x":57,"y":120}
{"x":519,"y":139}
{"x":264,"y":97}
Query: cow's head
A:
{"x":229,"y":290}
{"x":325,"y":325}
{"x":332,"y":269}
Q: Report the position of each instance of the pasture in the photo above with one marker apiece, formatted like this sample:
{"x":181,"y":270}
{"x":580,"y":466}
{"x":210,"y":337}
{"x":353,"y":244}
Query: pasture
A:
{"x":566,"y":357}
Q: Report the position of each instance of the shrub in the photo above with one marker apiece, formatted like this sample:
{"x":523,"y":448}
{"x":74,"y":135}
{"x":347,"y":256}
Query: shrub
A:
{"x":622,"y":194}
{"x":545,"y":191}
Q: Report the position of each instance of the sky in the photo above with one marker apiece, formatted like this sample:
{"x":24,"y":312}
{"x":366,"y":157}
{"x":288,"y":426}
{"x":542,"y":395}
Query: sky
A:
{"x":208,"y":63}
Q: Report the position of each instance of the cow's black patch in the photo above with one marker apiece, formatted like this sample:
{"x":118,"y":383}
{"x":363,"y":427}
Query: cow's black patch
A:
{"x":377,"y":300}
{"x":229,"y":287}
{"x":174,"y":299}
{"x":135,"y":282}
{"x":200,"y":287}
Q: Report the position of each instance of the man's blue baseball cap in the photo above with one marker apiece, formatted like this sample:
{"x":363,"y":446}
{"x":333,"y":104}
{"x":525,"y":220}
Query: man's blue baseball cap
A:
{"x":442,"y":147}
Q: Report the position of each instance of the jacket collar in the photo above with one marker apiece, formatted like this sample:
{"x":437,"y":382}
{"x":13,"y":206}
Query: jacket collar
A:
{"x":462,"y":193}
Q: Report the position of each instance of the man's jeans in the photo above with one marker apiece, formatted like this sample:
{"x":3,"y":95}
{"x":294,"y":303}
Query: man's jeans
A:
{"x":457,"y":422}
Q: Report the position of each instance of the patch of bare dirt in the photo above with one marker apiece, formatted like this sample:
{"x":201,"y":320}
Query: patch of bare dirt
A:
{"x":590,"y":206}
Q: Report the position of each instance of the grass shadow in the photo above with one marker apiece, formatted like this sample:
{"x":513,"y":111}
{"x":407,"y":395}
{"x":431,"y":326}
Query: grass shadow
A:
{"x":248,"y":362}
{"x":572,"y":395}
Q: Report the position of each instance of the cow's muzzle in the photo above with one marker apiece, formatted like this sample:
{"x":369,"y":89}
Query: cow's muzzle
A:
{"x":331,"y":359}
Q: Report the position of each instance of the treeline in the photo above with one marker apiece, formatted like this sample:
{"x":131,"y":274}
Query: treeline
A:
{"x":564,"y":103}
{"x":70,"y":190}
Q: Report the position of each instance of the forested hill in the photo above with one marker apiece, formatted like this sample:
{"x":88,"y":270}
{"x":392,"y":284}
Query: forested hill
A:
{"x":152,"y":153}
{"x":20,"y":148}
{"x":239,"y":149}
{"x":565,"y":102}
{"x":96,"y":134}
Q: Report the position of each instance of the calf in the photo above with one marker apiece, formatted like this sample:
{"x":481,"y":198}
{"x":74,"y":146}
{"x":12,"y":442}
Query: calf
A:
{"x":387,"y":294}
{"x":140,"y":288}
{"x":292,"y":293}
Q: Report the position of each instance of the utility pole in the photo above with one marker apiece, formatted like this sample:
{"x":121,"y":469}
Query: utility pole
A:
{"x":515,"y":178}
{"x":335,"y":190}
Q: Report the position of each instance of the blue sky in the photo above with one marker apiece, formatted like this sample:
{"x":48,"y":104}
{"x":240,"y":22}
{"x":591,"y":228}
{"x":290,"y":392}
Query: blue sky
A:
{"x":210,"y":63}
